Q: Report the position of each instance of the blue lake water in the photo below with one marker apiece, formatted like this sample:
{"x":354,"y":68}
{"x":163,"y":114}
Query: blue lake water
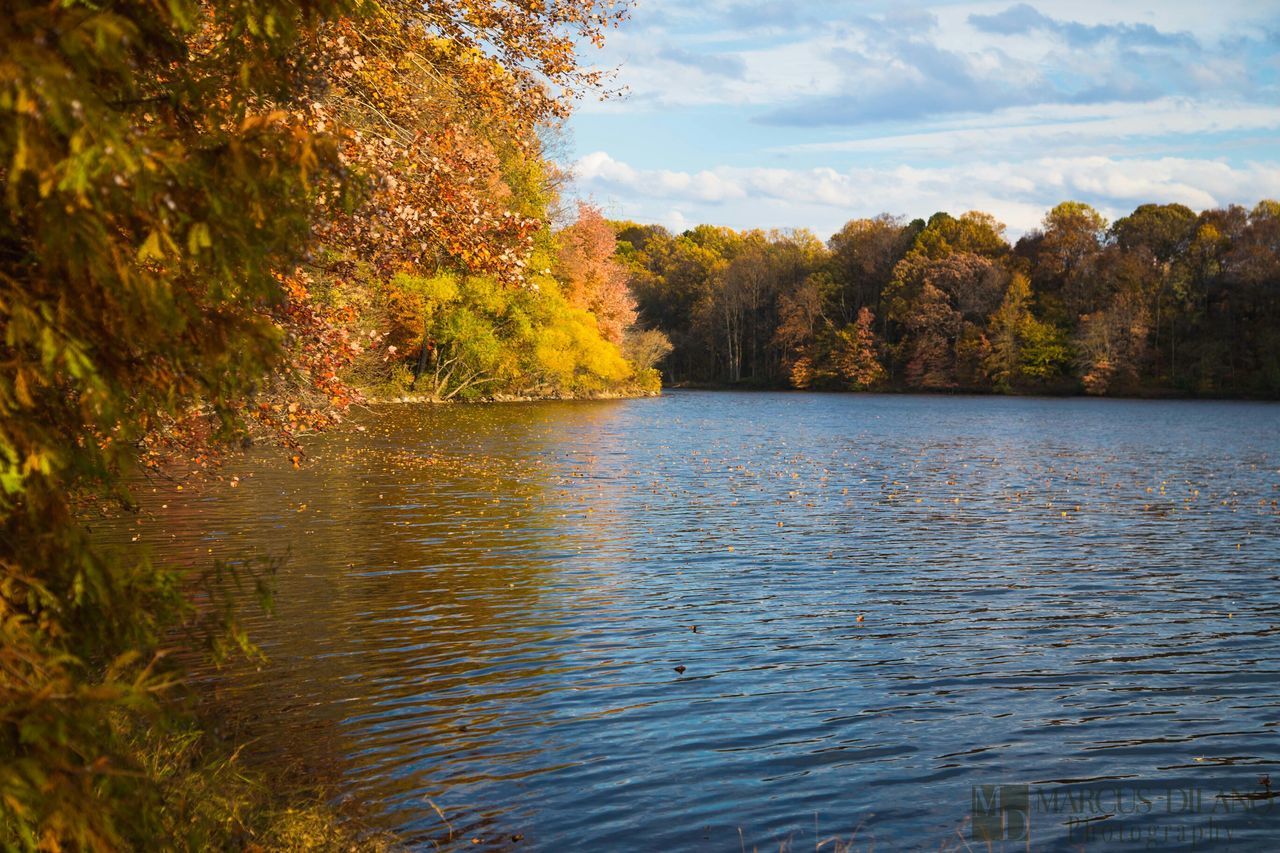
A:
{"x":896,"y":599}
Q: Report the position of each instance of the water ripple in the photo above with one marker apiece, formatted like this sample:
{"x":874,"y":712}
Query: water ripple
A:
{"x":895,"y":599}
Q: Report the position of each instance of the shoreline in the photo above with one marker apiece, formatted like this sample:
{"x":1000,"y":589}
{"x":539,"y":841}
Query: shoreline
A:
{"x":515,"y":398}
{"x":975,"y":392}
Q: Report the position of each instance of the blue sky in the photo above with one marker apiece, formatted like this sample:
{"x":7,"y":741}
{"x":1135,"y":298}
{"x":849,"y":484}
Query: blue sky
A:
{"x":807,"y":113}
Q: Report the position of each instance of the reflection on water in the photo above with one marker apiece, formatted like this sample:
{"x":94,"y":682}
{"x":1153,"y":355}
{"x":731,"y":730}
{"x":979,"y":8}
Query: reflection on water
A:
{"x":483,"y":608}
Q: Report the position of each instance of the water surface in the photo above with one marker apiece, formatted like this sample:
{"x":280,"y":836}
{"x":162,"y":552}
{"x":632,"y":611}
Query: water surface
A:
{"x":896,"y":598}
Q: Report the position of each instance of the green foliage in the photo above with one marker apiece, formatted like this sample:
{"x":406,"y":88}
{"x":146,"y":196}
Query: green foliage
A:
{"x":1045,"y":352}
{"x":974,"y":232}
{"x":1023,"y":348}
{"x":1164,"y":230}
{"x":449,"y":335}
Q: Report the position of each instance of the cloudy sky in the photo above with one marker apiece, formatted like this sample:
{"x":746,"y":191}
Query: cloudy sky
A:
{"x":806,"y":113}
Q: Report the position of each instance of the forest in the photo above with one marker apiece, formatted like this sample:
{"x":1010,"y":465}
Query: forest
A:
{"x":1164,"y":301}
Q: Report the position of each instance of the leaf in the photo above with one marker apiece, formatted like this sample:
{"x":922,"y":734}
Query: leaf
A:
{"x":20,"y":389}
{"x":199,"y":238}
{"x":151,"y":248}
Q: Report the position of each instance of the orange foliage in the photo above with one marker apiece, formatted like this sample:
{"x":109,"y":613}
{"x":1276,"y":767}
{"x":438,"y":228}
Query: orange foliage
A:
{"x":433,"y":101}
{"x":593,"y":279}
{"x":855,"y":353}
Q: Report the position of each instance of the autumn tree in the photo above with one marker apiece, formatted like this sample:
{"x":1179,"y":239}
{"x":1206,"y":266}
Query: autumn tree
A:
{"x":674,"y":281}
{"x":646,"y":348}
{"x":855,"y":357}
{"x":863,"y":254}
{"x":440,"y":104}
{"x":1111,"y":345}
{"x":1022,"y":348}
{"x":800,"y":317}
{"x":932,"y":328}
{"x":941,"y":290}
{"x":591,"y":278}
{"x":1063,"y":255}
{"x":480,"y":337}
{"x":1157,"y":237}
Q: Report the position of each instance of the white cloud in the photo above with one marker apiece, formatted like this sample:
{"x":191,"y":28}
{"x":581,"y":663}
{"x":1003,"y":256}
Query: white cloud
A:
{"x":705,"y":186}
{"x":676,"y":221}
{"x":1109,"y":126}
{"x":852,"y":63}
{"x":1016,"y":192}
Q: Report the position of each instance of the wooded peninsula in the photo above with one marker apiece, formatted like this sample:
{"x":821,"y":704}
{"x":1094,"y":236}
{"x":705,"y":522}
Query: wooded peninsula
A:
{"x":1163,"y":301}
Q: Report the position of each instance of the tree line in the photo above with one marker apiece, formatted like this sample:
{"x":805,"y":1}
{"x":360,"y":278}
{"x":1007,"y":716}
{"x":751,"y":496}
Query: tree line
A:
{"x":1164,"y":301}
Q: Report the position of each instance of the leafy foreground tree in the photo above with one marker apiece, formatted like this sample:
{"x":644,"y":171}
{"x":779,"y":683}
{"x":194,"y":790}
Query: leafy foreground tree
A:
{"x":153,"y":194}
{"x":175,"y":176}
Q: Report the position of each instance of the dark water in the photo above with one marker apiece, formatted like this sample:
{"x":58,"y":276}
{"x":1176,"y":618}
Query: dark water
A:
{"x":482,"y":609}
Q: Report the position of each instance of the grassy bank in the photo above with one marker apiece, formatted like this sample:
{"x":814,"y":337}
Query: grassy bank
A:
{"x":217,"y":798}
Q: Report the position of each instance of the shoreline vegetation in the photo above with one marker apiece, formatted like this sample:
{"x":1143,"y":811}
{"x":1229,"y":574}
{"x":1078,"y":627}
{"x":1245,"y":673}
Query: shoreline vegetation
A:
{"x":1068,"y":394}
{"x":522,"y":398}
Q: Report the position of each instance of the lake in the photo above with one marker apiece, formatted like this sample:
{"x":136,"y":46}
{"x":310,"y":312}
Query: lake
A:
{"x":900,"y":603}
